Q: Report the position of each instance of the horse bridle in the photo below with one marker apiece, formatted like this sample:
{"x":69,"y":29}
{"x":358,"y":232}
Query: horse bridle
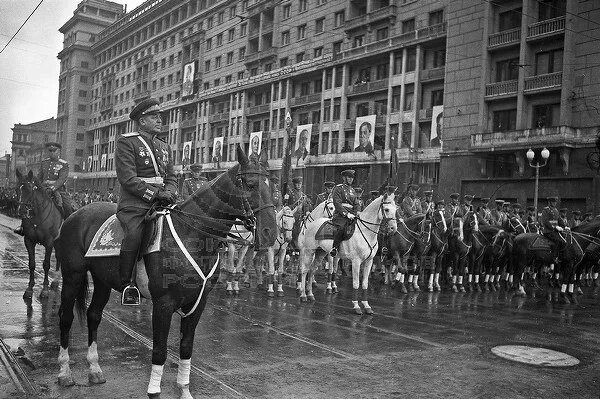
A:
{"x":29,"y":206}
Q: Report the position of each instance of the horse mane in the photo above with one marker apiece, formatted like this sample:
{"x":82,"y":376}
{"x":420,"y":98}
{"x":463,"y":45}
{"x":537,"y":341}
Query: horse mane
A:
{"x":591,"y":228}
{"x":414,"y":220}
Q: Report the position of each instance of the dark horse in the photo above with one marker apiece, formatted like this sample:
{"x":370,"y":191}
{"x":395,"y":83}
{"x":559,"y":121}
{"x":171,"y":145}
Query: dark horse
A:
{"x":174,"y":280}
{"x":41,"y":221}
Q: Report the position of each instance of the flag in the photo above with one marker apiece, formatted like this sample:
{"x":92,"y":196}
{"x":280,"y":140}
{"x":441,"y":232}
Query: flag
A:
{"x":286,"y":167}
{"x":393,"y":172}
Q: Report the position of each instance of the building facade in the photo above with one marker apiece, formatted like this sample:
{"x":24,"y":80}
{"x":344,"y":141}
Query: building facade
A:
{"x":519,"y":75}
{"x":26,"y":138}
{"x":5,"y":170}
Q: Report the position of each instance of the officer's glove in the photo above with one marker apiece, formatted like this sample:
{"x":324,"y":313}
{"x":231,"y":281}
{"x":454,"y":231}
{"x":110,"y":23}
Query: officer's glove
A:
{"x":567,"y":228}
{"x":558,"y":228}
{"x":350,"y":216}
{"x":165,"y":197}
{"x":286,"y":197}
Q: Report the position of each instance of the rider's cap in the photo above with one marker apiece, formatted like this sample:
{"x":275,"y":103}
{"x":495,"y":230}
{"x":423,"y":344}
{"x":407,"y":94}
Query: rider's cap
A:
{"x":52,"y":145}
{"x":196,"y":167}
{"x":414,"y":187}
{"x":145,"y":107}
{"x":565,"y":210}
{"x":506,"y":203}
{"x":576,"y":212}
{"x":359,"y":190}
{"x":374,"y":192}
{"x":428,"y":192}
{"x":348,"y":172}
{"x":440,"y":202}
{"x":517,"y":205}
{"x":329,"y":184}
{"x":297,"y":179}
{"x":553,"y":199}
{"x":588,"y":214}
{"x":274,"y":179}
{"x":499,"y":201}
{"x":468,"y":197}
{"x":454,"y":195}
{"x":391,"y":189}
{"x":485,"y":199}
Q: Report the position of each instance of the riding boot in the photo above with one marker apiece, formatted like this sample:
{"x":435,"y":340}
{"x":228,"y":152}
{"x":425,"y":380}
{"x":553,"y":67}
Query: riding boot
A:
{"x":130,"y":295}
{"x":337,"y":239}
{"x":19,"y":230}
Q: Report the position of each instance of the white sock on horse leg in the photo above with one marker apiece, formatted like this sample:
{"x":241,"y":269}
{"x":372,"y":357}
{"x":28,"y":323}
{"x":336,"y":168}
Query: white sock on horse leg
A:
{"x":155,"y":378}
{"x":229,"y":286}
{"x":430,"y":283}
{"x":92,"y":358}
{"x":365,"y":304}
{"x":398,"y":275}
{"x":453,"y":279}
{"x":401,"y":279}
{"x":279,"y":287}
{"x":476,"y":279}
{"x":298,"y":285}
{"x":329,"y":285}
{"x":355,"y":304}
{"x":183,"y":371}
{"x":63,"y":361}
{"x":595,"y":276}
{"x":236,"y":285}
{"x":510,"y":278}
{"x":563,"y":288}
{"x":270,"y":287}
{"x":486,"y":278}
{"x":460,"y":280}
{"x":552,"y":266}
{"x":571,"y":288}
{"x":416,"y":280}
{"x":557,"y":276}
{"x":410,"y":279}
{"x":470,"y":278}
{"x":437,"y":279}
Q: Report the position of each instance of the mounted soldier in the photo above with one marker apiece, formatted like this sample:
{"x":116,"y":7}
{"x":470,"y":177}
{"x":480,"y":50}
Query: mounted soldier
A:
{"x":276,"y":193}
{"x":587,"y":217}
{"x":552,"y":226}
{"x":195,"y":182}
{"x":325,"y":195}
{"x":531,"y":224}
{"x":575,"y":219}
{"x":374,"y":194}
{"x":145,"y":171}
{"x":467,"y":205}
{"x":498,"y":216}
{"x":345,"y":202}
{"x":562,"y":217}
{"x":453,"y":209}
{"x":297,"y":199}
{"x":485,"y":215}
{"x":411,"y":205}
{"x":53,"y":175}
{"x":427,"y":205}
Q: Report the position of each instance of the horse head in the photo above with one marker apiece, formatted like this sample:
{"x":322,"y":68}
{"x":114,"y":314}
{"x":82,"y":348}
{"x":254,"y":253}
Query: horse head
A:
{"x":516,"y":226}
{"x":499,"y":241}
{"x":29,"y":192}
{"x":470,"y":221}
{"x":285,"y":222}
{"x":388,"y":209}
{"x":253,"y":177}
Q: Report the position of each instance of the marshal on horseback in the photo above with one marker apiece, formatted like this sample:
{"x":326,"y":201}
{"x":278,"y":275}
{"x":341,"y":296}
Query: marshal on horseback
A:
{"x":180,"y":260}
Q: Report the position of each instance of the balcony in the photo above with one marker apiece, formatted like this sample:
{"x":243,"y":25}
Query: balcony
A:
{"x":425,"y":114}
{"x":368,"y":87}
{"x":259,"y":109}
{"x":555,"y":136}
{"x":106,"y":107}
{"x":547,"y":28}
{"x":218,"y":117}
{"x":259,"y":6}
{"x":372,"y":17}
{"x":547,"y":82}
{"x":504,"y":39}
{"x":140,"y":95}
{"x":144,"y":60}
{"x":501,"y":89}
{"x":260,"y":55}
{"x":303,"y":100}
{"x":433,"y":74}
{"x":187,"y":123}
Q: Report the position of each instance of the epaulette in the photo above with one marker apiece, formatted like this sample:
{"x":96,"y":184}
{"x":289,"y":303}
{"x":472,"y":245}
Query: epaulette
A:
{"x":159,"y":139}
{"x":62,"y":161}
{"x":45,"y":159}
{"x":340,"y":185}
{"x":132,"y":134}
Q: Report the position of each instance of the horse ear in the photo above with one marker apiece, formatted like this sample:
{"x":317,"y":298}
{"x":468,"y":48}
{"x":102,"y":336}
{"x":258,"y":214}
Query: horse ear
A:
{"x":19,"y":174}
{"x":241,"y":156}
{"x":30,"y":174}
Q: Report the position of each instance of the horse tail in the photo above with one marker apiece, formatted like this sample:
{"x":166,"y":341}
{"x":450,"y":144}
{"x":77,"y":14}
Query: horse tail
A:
{"x":81,"y":298}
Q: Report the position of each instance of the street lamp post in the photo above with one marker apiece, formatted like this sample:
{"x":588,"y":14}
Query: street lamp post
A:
{"x":530,"y":156}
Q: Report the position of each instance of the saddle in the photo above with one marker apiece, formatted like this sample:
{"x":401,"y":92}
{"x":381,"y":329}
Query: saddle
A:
{"x":328,"y":229}
{"x":541,"y":243}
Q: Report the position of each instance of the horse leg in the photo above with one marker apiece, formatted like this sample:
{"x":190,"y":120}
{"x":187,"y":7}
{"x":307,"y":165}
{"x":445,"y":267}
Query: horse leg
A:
{"x":270,"y":255}
{"x":162,"y":312}
{"x":355,"y":284}
{"x":335,"y":264}
{"x":329,"y":289}
{"x":186,"y":346}
{"x":46,"y":266}
{"x":280,"y":270}
{"x":94,"y":316}
{"x":304,"y":266}
{"x":30,"y":245}
{"x":400,"y":272}
{"x":231,"y":269}
{"x":366,"y":266}
{"x":416,"y":272}
{"x":73,"y":286}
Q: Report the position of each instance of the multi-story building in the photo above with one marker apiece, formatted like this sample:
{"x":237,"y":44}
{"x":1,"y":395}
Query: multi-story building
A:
{"x":520,"y":75}
{"x":5,"y":170}
{"x":24,"y":138}
{"x":231,"y":68}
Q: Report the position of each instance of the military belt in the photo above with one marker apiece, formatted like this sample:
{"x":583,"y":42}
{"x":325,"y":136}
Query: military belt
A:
{"x":158,"y":180}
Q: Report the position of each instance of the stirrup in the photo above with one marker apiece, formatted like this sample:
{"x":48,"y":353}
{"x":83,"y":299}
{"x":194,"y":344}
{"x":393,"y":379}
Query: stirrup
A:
{"x":19,"y":231}
{"x":333,"y":252}
{"x":130,"y":296}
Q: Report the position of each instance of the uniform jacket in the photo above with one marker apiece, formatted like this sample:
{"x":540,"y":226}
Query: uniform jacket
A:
{"x":464,"y":209}
{"x":411,"y":206}
{"x":191,"y":185}
{"x":277,"y":200}
{"x":133,"y":162}
{"x":498,"y":217}
{"x":54,"y":173}
{"x":453,"y":211}
{"x":321,"y":197}
{"x":345,"y":200}
{"x":428,"y":208}
{"x":550,"y":219}
{"x":485,"y":214}
{"x":298,"y":197}
{"x":574,"y":223}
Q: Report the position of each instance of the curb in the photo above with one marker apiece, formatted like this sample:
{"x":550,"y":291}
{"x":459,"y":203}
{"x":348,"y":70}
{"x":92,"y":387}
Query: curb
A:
{"x":18,"y":376}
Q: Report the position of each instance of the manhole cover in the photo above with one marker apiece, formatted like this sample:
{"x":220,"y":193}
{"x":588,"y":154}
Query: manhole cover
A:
{"x":536,"y":356}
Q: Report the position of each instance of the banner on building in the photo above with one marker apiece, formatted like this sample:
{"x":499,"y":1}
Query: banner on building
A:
{"x":186,"y":154}
{"x":88,"y":166}
{"x":103,"y":161}
{"x":255,"y":145}
{"x":188,"y":79}
{"x":437,"y":123}
{"x":302,"y":146}
{"x":217,"y":154}
{"x":364,"y":134}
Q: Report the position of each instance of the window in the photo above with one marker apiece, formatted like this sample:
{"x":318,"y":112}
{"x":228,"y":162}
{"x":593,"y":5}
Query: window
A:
{"x":302,"y":5}
{"x":219,"y":39}
{"x":304,"y":88}
{"x":339,"y":18}
{"x":217,"y":82}
{"x":319,"y":25}
{"x":242,"y":54}
{"x":243,"y":30}
{"x":79,"y":137}
{"x":206,"y":67}
{"x":507,"y":70}
{"x":80,"y":122}
{"x":358,"y":41}
{"x":326,"y":110}
{"x":383,"y":33}
{"x":302,"y":32}
{"x":82,"y":93}
{"x":546,"y":115}
{"x":509,"y":19}
{"x":397,"y":64}
{"x":437,"y":97}
{"x":230,"y":58}
{"x":334,"y":142}
{"x":406,"y":134}
{"x":231,"y":34}
{"x":505,"y":120}
{"x":409,"y":95}
{"x":82,"y":107}
{"x":254,"y":72}
{"x":221,"y":17}
{"x":325,"y":143}
{"x":551,"y":9}
{"x":362,"y":109}
{"x":337,"y":47}
{"x":287,"y":11}
{"x":268,"y":67}
{"x":240,"y":75}
{"x":209,"y":44}
{"x":436,"y":17}
{"x":382,"y":71}
{"x":318,"y":52}
{"x":337,"y":109}
{"x":218,"y":62}
{"x":408,"y":25}
{"x":283,"y":62}
{"x":209,"y":23}
{"x":411,"y":59}
{"x":549,"y":62}
{"x":299,"y":57}
{"x":83,"y":79}
{"x":285,"y":38}
{"x":244,"y":5}
{"x":85,"y":64}
{"x":439,"y":58}
{"x":232,"y":12}
{"x":78,"y":153}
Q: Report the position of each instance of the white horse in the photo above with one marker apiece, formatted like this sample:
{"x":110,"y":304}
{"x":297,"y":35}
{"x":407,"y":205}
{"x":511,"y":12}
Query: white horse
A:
{"x":359,"y":249}
{"x":234,"y":268}
{"x":285,"y":224}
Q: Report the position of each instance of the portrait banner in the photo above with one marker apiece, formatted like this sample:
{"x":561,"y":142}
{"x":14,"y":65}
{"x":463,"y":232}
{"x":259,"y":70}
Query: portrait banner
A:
{"x":302,"y":145}
{"x":88,"y":167}
{"x":217,"y":153}
{"x":437,"y":122}
{"x":364,"y":134}
{"x":186,"y":155}
{"x":188,"y":79}
{"x":103,"y":161}
{"x":255,"y":145}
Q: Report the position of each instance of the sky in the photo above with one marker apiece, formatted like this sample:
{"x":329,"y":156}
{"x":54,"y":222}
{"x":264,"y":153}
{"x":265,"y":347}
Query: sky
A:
{"x":28,"y":66}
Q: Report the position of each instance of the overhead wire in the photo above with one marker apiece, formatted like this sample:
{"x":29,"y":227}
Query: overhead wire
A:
{"x":21,"y":27}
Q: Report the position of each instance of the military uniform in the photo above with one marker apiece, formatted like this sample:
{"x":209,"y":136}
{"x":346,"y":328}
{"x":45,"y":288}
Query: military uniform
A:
{"x":484,"y":212}
{"x":325,"y":195}
{"x":191,"y":185}
{"x":345,"y":202}
{"x":360,"y":204}
{"x":466,"y":206}
{"x":427,"y":205}
{"x":575,"y":220}
{"x":498,"y":216}
{"x":277,"y":198}
{"x":551,"y":224}
{"x":297,"y":197}
{"x":374,"y":195}
{"x":53,"y":175}
{"x":562,"y":219}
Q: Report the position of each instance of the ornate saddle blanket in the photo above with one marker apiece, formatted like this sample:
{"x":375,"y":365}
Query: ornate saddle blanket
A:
{"x":107,"y":240}
{"x":327,"y":230}
{"x":541,"y":243}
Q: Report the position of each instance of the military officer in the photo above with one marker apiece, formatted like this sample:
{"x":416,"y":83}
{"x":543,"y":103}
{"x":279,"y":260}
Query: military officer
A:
{"x":53,"y":175}
{"x":411,"y":205}
{"x":328,"y":185}
{"x":145,"y":170}
{"x":484,"y":212}
{"x":276,"y":193}
{"x":587,"y":217}
{"x":551,"y":224}
{"x":498,"y":216}
{"x":427,"y":205}
{"x":345,"y":202}
{"x":467,"y":204}
{"x":195,"y":182}
{"x":575,"y":218}
{"x":361,"y":203}
{"x":530,"y":223}
{"x":453,"y":208}
{"x":562,"y":217}
{"x":374,"y":195}
{"x":297,"y":197}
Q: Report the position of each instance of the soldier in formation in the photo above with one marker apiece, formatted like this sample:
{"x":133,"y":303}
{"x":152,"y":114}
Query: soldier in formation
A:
{"x":194,"y":182}
{"x":345,"y":202}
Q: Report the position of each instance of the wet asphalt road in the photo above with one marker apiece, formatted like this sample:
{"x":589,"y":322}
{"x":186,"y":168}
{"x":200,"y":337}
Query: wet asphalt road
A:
{"x":426,"y":345}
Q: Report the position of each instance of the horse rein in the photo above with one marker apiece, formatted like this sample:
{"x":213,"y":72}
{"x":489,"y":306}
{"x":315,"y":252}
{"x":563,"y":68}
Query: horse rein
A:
{"x":29,"y":206}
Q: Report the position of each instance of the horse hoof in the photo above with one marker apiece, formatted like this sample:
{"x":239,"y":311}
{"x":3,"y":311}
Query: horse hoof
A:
{"x":565,"y":299}
{"x":154,"y":395}
{"x":303,"y":298}
{"x":461,"y":288}
{"x":579,"y":291}
{"x":357,"y":311}
{"x":260,"y":286}
{"x":96,"y":378}
{"x":229,"y":292}
{"x":438,"y":288}
{"x":369,"y":311}
{"x":280,"y":294}
{"x":66,"y":381}
{"x":236,"y":292}
{"x":311,"y":297}
{"x":417,"y":289}
{"x":454,"y":289}
{"x":477,"y":288}
{"x":270,"y":294}
{"x":28,"y":293}
{"x":328,"y":291}
{"x":430,"y":288}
